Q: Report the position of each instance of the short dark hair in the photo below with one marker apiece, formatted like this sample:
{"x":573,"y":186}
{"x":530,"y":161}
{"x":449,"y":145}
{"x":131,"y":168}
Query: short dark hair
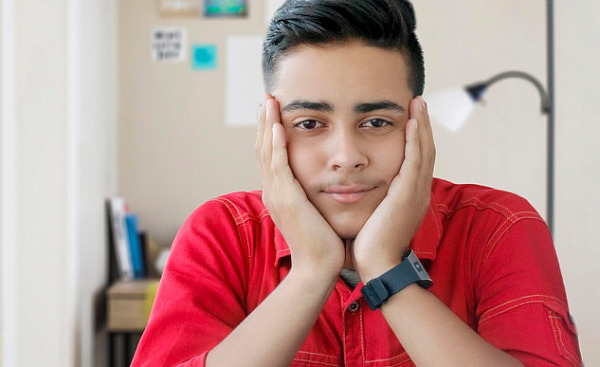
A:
{"x":387,"y":24}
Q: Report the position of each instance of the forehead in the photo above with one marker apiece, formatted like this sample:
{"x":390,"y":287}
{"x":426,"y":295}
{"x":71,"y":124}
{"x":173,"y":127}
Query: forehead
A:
{"x":342,"y":72}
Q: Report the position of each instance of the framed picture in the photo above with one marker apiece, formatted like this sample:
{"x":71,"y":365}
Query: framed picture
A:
{"x":180,"y":8}
{"x":225,"y":8}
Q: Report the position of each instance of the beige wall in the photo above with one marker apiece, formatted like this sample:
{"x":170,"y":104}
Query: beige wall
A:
{"x":577,"y":167}
{"x":175,"y":150}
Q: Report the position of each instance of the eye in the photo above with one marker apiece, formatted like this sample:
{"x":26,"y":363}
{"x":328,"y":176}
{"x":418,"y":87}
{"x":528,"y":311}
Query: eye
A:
{"x":308,"y":124}
{"x":375,"y":123}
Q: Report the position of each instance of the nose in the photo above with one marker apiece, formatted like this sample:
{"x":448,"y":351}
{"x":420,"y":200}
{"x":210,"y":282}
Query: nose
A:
{"x":347,"y":151}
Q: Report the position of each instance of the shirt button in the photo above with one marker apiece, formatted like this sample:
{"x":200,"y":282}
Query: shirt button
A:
{"x":354,"y":306}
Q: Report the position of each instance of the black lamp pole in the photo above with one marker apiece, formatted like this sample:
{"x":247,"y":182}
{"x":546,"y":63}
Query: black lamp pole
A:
{"x":551,"y":113}
{"x":477,"y":90}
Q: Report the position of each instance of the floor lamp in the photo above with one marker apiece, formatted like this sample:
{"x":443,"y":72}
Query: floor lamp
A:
{"x":452,"y":108}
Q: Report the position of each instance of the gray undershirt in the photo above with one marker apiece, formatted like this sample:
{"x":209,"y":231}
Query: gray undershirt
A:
{"x":350,"y":277}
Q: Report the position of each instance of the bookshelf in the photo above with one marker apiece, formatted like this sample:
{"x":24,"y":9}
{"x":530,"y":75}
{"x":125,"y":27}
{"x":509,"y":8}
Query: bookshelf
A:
{"x":128,"y":300}
{"x":128,"y":306}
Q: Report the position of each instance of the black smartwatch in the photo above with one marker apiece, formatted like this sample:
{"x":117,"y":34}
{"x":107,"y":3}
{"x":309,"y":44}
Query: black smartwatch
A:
{"x":409,"y":271}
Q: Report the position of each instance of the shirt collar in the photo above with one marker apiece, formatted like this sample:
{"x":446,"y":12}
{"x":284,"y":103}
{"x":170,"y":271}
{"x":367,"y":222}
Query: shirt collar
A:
{"x":425,"y":242}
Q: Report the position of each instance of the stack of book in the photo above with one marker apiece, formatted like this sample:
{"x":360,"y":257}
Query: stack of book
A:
{"x":132,"y":251}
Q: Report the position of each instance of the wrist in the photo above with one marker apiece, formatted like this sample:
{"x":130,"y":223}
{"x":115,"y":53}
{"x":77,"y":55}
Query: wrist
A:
{"x":376,"y":266}
{"x":370,"y":272}
{"x":375,"y":262}
{"x":313,"y":278}
{"x":378,"y":290}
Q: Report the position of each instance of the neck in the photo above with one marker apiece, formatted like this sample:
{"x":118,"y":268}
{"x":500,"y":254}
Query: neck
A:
{"x":348,"y":264}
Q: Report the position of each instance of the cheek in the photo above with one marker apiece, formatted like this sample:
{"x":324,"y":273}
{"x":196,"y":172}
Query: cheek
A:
{"x":303,"y":160}
{"x":390,"y":157}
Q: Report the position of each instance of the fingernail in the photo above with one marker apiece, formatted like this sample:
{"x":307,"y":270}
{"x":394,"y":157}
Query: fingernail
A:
{"x":422,"y":104}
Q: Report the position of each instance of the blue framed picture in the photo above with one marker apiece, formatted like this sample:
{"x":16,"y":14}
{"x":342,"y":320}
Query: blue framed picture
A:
{"x":225,"y":8}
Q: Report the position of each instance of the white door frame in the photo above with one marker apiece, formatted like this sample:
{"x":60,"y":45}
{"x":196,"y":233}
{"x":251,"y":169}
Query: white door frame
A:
{"x":8,"y":296}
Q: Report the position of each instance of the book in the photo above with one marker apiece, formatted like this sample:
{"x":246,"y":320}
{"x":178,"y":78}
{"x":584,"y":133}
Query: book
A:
{"x":137,"y":260}
{"x":150,"y":251}
{"x":142,"y":239}
{"x":120,"y":237}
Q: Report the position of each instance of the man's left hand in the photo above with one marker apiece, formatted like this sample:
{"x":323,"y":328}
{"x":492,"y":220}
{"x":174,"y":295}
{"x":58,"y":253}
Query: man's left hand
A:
{"x":385,"y":237}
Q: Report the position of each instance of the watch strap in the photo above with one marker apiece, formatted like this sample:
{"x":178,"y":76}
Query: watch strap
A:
{"x":409,"y":271}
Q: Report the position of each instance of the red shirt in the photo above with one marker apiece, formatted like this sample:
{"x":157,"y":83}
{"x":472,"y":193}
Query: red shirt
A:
{"x":488,"y":252}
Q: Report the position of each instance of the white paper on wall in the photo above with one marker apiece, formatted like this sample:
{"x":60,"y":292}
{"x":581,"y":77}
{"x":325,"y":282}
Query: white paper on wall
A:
{"x":244,"y":85}
{"x":168,"y":44}
{"x":272,"y":6}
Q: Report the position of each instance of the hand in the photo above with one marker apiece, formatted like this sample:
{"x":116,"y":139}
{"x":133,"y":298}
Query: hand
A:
{"x":314,"y":245}
{"x":383,"y":240}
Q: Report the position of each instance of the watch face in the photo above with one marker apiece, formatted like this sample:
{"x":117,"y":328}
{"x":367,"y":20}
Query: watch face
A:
{"x":415,"y":263}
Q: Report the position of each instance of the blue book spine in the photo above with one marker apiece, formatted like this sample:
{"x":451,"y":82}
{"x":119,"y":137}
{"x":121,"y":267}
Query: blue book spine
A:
{"x":134,"y":246}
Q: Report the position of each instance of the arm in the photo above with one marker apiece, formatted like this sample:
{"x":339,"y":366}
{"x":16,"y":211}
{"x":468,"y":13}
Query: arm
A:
{"x":273,"y":333}
{"x":521,"y":306}
{"x":433,"y":335}
{"x":429,"y":331}
{"x":199,"y":315}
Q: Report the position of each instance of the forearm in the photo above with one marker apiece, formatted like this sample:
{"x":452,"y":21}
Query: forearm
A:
{"x":272,"y":334}
{"x":434,"y":336}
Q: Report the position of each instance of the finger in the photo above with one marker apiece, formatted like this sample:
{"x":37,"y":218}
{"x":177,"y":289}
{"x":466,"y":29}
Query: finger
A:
{"x":419,"y":111}
{"x":261,"y":115}
{"x":410,"y":169}
{"x":279,"y":157}
{"x":279,"y":160}
{"x":427,"y":141}
{"x":271,"y":118}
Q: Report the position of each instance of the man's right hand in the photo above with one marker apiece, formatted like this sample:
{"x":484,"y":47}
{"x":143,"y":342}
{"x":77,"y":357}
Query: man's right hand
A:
{"x":314,"y":245}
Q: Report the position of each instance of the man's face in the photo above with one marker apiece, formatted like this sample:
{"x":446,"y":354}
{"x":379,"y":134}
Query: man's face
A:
{"x":344,"y":109}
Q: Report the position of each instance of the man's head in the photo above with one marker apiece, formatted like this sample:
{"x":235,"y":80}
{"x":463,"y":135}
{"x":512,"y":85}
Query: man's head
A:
{"x":342,"y":73}
{"x":387,"y":24}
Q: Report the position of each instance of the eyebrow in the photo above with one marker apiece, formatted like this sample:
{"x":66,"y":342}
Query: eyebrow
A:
{"x":376,"y":106}
{"x":306,"y":105}
{"x":328,"y":107}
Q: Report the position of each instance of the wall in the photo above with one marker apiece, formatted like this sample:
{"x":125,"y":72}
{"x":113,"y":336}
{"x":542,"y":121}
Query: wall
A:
{"x":58,"y":164}
{"x":175,"y":150}
{"x":578,"y":158}
{"x":96,"y":164}
{"x":507,"y":135}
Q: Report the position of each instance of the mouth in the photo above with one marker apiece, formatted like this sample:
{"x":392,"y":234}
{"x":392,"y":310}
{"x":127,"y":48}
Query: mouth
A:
{"x":348,"y":194}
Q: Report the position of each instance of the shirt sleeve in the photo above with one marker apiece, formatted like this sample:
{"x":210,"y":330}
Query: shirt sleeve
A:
{"x":522,"y":305}
{"x":200,"y":299}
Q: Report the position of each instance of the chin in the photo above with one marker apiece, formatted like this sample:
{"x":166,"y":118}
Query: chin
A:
{"x":347,"y":230}
{"x":347,"y":223}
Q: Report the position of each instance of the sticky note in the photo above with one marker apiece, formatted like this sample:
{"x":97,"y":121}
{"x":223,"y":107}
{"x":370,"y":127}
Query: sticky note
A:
{"x":204,"y":57}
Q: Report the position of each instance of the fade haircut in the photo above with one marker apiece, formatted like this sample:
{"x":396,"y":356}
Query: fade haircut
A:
{"x":387,"y":24}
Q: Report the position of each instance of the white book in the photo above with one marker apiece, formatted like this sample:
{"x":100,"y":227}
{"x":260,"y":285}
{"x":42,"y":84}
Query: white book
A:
{"x":118,"y":210}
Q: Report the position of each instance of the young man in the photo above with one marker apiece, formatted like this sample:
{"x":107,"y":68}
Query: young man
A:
{"x":313,"y":270}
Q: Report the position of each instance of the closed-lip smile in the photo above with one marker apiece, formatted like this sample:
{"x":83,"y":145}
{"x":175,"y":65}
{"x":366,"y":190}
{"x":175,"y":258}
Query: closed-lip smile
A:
{"x":348,"y":194}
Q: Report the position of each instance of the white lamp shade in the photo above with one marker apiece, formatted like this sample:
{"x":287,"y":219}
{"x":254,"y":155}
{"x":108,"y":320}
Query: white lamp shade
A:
{"x":450,"y":108}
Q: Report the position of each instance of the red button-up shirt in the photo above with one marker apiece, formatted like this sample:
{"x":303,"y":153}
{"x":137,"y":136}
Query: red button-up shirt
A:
{"x":488,"y":252}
